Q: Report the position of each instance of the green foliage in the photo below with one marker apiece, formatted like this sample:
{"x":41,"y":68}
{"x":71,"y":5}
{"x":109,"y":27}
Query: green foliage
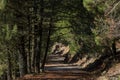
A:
{"x":7,"y":36}
{"x":14,"y":31}
{"x":2,"y":4}
{"x":88,"y":3}
{"x":62,"y":23}
{"x":2,"y":68}
{"x":95,"y":6}
{"x":65,"y":35}
{"x":8,"y":33}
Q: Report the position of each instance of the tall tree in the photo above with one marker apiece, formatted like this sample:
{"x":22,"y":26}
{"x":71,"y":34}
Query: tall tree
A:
{"x":49,"y":33}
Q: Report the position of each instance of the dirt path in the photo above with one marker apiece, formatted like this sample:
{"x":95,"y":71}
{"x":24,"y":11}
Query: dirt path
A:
{"x":60,"y":75}
{"x":62,"y":67}
{"x":57,"y":70}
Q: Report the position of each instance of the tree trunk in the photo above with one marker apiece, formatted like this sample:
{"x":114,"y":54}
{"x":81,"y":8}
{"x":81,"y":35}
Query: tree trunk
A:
{"x":48,"y":39}
{"x":33,"y":50}
{"x":29,"y":47}
{"x":47,"y":48}
{"x":114,"y":49}
{"x":22,"y":58}
{"x":34,"y":62}
{"x":9,"y":66}
{"x":34,"y":54}
{"x":40,"y":30}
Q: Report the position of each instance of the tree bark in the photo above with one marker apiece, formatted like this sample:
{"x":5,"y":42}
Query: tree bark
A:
{"x":47,"y":48}
{"x":22,"y":57}
{"x":9,"y":66}
{"x":29,"y":46}
{"x":114,"y":49}
{"x":48,"y":38}
{"x":34,"y":62}
{"x":35,"y":51}
{"x":40,"y":30}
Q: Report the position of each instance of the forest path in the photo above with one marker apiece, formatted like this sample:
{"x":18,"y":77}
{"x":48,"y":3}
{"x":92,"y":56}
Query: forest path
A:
{"x":60,"y":75}
{"x":56,"y":63}
{"x":55,"y":69}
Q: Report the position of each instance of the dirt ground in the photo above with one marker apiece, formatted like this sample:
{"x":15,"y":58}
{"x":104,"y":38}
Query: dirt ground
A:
{"x":61,"y":71}
{"x":60,"y":76}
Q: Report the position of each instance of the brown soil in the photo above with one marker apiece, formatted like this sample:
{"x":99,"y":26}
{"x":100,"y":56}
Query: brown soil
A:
{"x":73,"y":75}
{"x":60,"y":75}
{"x":61,"y":71}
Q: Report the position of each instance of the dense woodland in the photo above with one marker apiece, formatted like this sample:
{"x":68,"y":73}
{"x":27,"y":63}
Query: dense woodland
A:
{"x":29,"y":29}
